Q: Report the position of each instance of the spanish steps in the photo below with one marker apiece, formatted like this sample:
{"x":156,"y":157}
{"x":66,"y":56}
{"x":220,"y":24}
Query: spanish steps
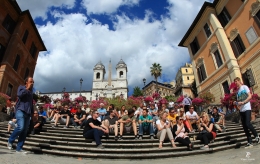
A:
{"x":70,"y":142}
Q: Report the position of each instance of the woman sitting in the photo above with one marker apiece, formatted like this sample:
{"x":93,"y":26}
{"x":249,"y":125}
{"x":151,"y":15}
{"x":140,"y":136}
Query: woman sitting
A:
{"x":185,"y":121}
{"x":207,"y":131}
{"x":180,"y":133}
{"x":163,"y":127}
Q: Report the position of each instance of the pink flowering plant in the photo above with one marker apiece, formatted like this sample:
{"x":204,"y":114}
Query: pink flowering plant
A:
{"x":148,"y":99}
{"x":95,"y":104}
{"x":156,"y":95}
{"x":180,"y":99}
{"x":198,"y":101}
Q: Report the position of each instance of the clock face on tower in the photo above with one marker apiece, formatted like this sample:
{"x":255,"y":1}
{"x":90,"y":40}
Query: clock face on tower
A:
{"x":97,"y":85}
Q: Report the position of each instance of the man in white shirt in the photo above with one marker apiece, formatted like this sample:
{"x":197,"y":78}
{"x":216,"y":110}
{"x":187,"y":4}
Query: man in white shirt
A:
{"x":192,"y":117}
{"x":244,"y":106}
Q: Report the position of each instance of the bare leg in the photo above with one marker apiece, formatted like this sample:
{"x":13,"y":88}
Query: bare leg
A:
{"x":121,"y":128}
{"x":116,"y":129}
{"x":68,"y":121}
{"x":134,"y":127}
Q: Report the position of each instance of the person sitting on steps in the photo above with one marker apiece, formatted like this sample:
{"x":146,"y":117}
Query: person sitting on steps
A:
{"x":163,"y":127}
{"x":146,"y":124}
{"x":128,"y":124}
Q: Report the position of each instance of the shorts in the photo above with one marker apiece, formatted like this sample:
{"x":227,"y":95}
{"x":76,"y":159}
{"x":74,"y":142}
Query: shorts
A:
{"x":13,"y":125}
{"x":63,"y":121}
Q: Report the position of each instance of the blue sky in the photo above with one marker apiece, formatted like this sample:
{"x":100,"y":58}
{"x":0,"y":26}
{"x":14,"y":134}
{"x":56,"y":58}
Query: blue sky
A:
{"x":80,"y":33}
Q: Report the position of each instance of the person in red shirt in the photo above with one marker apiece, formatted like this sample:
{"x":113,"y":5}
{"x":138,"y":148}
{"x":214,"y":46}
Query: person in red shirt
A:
{"x":73,"y":110}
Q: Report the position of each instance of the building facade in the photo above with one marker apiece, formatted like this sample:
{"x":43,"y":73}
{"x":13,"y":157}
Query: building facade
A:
{"x":20,"y":44}
{"x":184,"y":79}
{"x":101,"y":87}
{"x":164,"y":89}
{"x":223,"y":43}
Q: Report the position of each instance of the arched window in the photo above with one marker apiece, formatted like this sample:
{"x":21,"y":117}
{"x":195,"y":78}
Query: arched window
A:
{"x":121,"y":73}
{"x":98,"y":75}
{"x":26,"y":73}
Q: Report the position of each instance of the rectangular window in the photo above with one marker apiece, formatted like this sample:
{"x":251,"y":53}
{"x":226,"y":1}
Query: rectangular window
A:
{"x":224,"y":17}
{"x":194,"y":46}
{"x":207,"y":30}
{"x":201,"y":73}
{"x":2,"y":52}
{"x":248,"y":78}
{"x":226,"y":87}
{"x":9,"y":90}
{"x":186,"y":70}
{"x":25,"y":36}
{"x":26,"y":73}
{"x":238,"y":46}
{"x":9,"y":24}
{"x":33,"y":50}
{"x":218,"y":59}
{"x":257,"y":18}
{"x":16,"y":62}
{"x":188,"y":78}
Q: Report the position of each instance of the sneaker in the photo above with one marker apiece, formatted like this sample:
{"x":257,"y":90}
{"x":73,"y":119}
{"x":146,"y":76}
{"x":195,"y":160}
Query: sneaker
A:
{"x":140,"y":137}
{"x":204,"y":148}
{"x":21,"y":151}
{"x":151,"y":137}
{"x":52,"y":120}
{"x":120,"y":138}
{"x":116,"y":138}
{"x":65,"y":127}
{"x":75,"y":127}
{"x":136,"y":138}
{"x":9,"y":146}
{"x":257,"y":139}
{"x":54,"y":126}
{"x":248,"y":145}
{"x":100,"y":146}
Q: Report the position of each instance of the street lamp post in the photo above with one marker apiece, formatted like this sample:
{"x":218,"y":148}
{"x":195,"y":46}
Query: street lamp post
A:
{"x":63,"y":91}
{"x":81,"y":80}
{"x":144,"y":80}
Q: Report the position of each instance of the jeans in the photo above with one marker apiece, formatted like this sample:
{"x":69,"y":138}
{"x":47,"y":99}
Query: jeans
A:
{"x":245,"y":119}
{"x":143,"y":129}
{"x":23,"y":120}
{"x":95,"y":134}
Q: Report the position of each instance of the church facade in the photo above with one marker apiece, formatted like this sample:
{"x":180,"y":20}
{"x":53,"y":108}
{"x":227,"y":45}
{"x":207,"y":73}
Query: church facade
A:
{"x":101,"y":87}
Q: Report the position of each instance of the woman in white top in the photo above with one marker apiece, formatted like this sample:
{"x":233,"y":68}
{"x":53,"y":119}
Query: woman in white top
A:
{"x":180,"y":134}
{"x":163,"y":127}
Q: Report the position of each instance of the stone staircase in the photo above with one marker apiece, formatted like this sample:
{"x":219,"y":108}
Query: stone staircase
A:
{"x":70,"y":142}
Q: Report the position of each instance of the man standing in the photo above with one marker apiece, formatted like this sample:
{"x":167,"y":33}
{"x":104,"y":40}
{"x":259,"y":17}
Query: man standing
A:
{"x":186,"y":103}
{"x":24,"y":110}
{"x":243,"y":103}
{"x":94,"y":130}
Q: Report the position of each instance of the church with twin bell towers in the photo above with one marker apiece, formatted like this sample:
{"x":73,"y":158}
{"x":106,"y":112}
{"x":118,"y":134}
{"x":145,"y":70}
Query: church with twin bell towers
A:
{"x":111,"y":87}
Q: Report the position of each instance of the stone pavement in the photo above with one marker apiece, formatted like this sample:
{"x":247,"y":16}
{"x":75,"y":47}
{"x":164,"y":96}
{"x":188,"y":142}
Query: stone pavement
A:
{"x":233,"y":156}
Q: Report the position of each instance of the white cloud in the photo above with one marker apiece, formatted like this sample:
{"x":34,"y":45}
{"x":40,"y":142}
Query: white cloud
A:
{"x":105,"y":6}
{"x":39,"y":8}
{"x":75,"y":45}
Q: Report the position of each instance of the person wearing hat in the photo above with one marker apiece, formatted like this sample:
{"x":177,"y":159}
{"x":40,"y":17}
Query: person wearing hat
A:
{"x":102,"y":111}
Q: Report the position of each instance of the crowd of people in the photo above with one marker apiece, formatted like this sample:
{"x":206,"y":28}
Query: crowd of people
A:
{"x":164,"y":122}
{"x":171,"y":123}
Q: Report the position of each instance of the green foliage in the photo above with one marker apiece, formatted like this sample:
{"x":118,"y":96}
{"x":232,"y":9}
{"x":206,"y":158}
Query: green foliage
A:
{"x":2,"y":101}
{"x":156,"y":70}
{"x":194,"y":88}
{"x":137,"y":92}
{"x":171,"y":98}
{"x":208,"y":97}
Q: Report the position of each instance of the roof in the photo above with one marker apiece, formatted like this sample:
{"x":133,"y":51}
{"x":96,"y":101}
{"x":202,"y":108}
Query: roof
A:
{"x":162,"y":84}
{"x":27,"y":12}
{"x":203,"y":8}
{"x":121,"y":63}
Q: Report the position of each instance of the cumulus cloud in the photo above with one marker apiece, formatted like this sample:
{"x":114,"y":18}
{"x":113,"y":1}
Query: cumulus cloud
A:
{"x":75,"y":43}
{"x":105,"y":6}
{"x":39,"y":8}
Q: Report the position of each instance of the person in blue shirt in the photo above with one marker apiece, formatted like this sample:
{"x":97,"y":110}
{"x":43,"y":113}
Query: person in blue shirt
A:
{"x":42,"y":114}
{"x":102,"y":111}
{"x":146,"y":124}
{"x":24,"y":110}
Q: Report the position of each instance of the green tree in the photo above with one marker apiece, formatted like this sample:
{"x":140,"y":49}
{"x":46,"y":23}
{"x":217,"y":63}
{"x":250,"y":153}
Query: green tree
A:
{"x":137,"y":92}
{"x":171,"y":98}
{"x":156,"y":71}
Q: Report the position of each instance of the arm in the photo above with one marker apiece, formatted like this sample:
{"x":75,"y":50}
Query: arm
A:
{"x":83,"y":118}
{"x":37,"y":125}
{"x":209,"y":129}
{"x":95,"y":127}
{"x":22,"y":91}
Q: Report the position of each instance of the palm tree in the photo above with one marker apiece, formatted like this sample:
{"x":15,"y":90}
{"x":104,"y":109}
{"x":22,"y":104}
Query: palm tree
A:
{"x":156,"y":71}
